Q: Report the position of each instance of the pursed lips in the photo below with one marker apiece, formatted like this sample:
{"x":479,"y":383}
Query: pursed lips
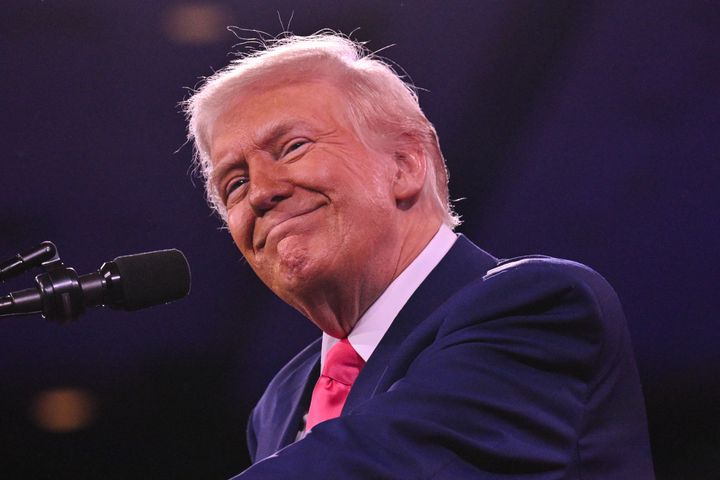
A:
{"x":269,"y":222}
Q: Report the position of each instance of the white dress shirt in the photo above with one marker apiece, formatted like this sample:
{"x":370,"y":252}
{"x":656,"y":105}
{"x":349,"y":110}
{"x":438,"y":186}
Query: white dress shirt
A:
{"x":371,"y":327}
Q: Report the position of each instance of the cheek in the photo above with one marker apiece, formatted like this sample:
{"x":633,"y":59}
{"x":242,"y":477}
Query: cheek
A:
{"x":239,"y":226}
{"x":371,"y":193}
{"x":352,"y":177}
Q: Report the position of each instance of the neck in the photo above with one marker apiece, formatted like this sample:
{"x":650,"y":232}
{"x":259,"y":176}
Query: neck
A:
{"x":337,"y":305}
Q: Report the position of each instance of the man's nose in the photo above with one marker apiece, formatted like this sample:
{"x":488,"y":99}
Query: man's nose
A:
{"x":268,"y":186}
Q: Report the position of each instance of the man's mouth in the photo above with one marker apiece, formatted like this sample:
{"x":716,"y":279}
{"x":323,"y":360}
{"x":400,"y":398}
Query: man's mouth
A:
{"x":275,"y":221}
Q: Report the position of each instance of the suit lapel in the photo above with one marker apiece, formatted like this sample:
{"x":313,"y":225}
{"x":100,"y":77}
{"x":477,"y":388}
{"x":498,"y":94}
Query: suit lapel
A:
{"x":300,"y":401}
{"x":464,"y":263}
{"x":285,"y":402}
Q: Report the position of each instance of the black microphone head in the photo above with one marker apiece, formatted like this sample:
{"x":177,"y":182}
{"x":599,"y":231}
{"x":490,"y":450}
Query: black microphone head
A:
{"x":152,"y":278}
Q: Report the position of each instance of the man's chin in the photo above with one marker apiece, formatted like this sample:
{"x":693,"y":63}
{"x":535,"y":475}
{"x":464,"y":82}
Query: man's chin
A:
{"x":294,"y":267}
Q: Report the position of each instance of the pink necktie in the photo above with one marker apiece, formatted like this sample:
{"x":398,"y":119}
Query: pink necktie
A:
{"x":342,"y":366}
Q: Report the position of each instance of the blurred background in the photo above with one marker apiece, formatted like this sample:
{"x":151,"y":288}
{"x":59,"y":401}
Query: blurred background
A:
{"x":585,"y":130}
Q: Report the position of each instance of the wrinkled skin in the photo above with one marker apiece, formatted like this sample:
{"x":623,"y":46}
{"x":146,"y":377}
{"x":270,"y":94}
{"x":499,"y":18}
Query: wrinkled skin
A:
{"x":326,"y":221}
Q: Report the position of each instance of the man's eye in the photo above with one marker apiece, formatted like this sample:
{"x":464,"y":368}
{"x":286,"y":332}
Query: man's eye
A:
{"x":294,"y":145}
{"x":235,"y":184}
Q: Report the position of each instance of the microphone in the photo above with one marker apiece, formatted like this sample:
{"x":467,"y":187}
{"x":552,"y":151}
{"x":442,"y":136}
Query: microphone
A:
{"x":129,"y":282}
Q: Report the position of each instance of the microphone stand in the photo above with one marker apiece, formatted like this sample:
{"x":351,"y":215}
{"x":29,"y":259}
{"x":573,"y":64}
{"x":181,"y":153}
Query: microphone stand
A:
{"x":45,"y":255}
{"x":59,"y":285}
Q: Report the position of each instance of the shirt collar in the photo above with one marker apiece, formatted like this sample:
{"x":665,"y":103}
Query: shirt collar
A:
{"x":373,"y":324}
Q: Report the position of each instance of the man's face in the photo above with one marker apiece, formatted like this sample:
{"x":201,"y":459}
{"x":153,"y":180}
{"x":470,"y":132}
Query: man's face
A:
{"x":309,"y":205}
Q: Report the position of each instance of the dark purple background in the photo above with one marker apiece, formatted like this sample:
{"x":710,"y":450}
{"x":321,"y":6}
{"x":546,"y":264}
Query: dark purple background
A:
{"x":586,"y":130}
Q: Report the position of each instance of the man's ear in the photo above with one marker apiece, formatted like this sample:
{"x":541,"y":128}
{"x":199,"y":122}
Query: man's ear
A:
{"x":411,"y":170}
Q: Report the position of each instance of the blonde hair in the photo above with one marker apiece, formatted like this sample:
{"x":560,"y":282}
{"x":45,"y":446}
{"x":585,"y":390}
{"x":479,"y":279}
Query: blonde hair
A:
{"x":380,"y":102}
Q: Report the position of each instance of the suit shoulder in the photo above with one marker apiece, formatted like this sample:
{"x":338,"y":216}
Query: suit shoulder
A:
{"x":563,"y":308}
{"x":544,"y":263}
{"x":541,"y":288}
{"x":542,"y":270}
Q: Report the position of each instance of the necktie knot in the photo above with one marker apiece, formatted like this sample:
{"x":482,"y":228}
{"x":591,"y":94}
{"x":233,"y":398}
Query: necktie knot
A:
{"x":341,"y":368}
{"x":343,"y":363}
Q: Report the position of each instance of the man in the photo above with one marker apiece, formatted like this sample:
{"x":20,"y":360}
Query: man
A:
{"x":451,"y":364}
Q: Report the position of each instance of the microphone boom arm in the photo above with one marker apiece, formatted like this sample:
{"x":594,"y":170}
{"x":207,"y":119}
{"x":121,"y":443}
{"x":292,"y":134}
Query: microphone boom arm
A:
{"x":129,"y":282}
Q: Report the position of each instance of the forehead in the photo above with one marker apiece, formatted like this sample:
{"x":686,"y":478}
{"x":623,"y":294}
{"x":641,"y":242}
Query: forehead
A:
{"x":258,"y":112}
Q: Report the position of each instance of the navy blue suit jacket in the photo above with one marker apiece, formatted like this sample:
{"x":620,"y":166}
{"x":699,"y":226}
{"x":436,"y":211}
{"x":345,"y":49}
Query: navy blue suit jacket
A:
{"x":525,"y":371}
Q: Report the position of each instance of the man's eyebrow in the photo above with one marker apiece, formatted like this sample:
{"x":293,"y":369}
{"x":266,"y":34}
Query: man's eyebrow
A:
{"x":266,"y":138}
{"x":272,"y":133}
{"x":220,"y":170}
